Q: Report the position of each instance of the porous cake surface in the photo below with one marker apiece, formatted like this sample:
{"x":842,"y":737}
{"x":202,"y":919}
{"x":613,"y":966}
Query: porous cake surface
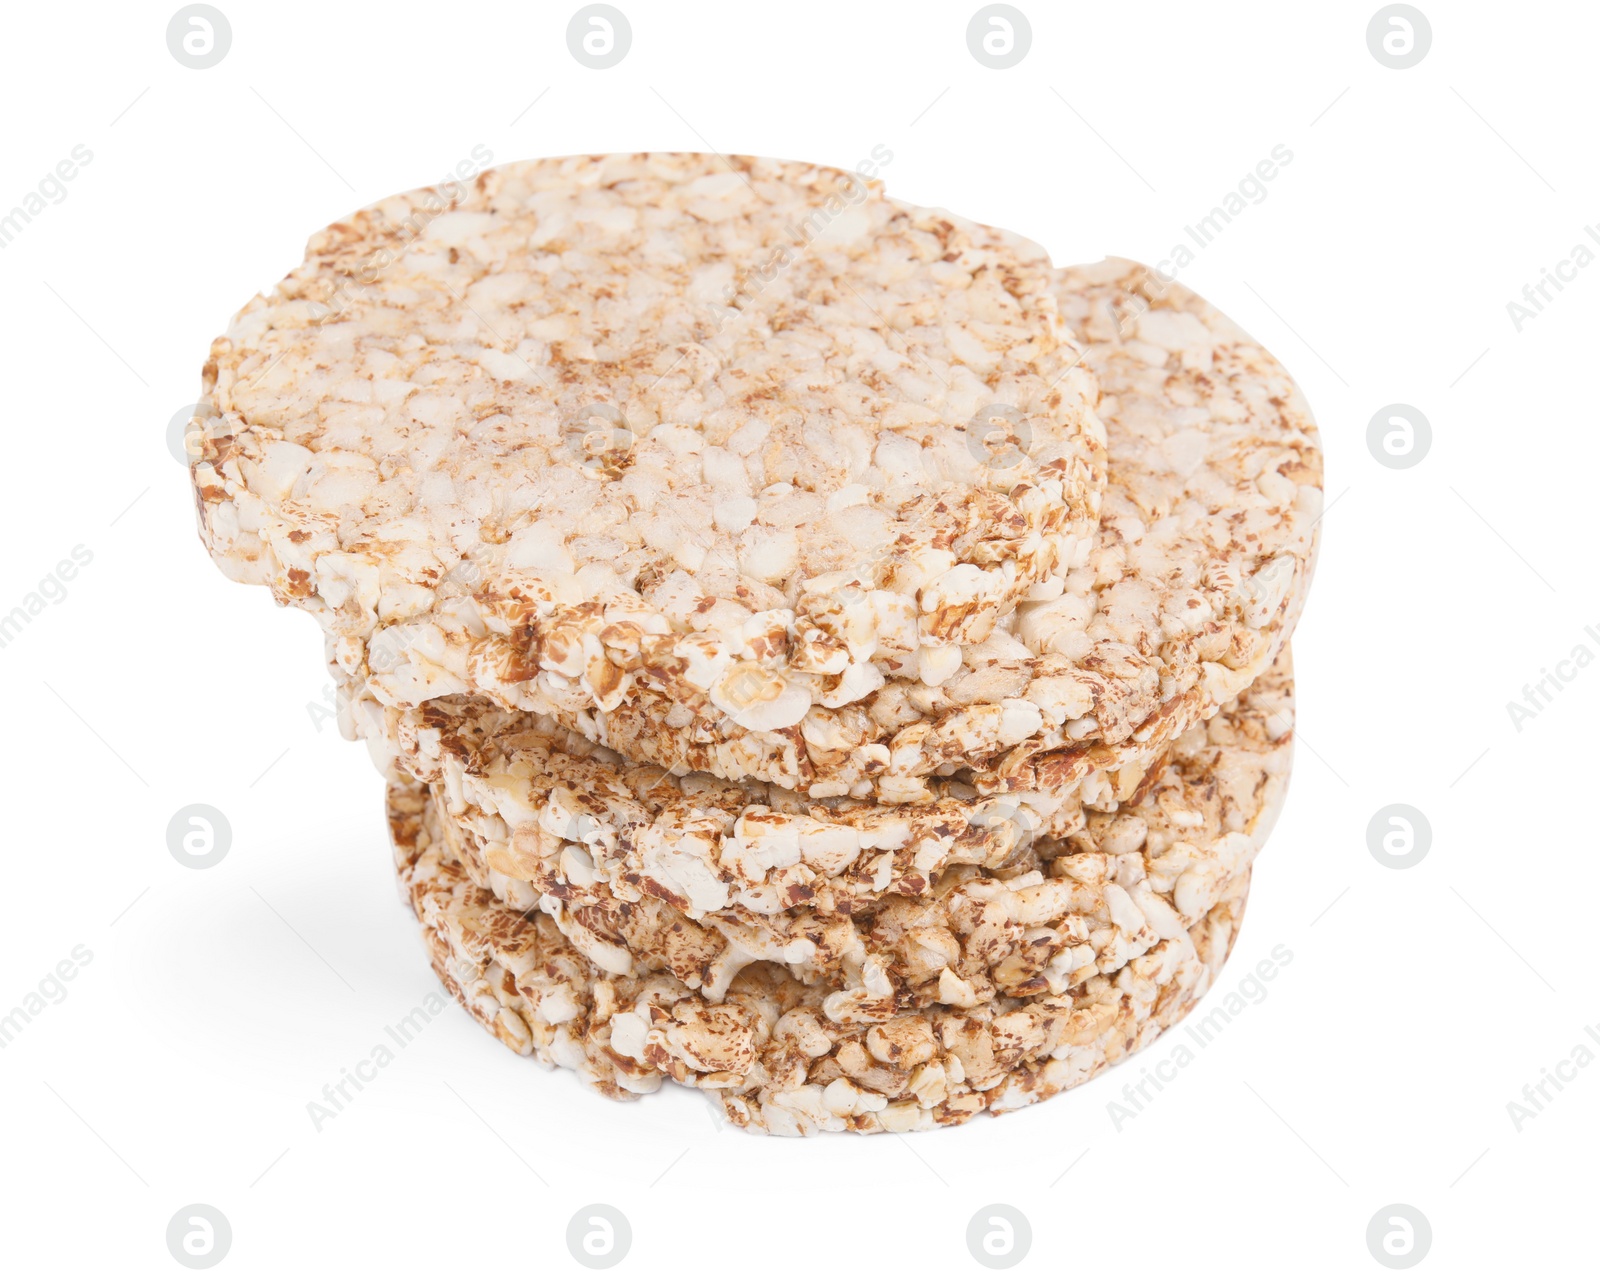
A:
{"x":742,"y":434}
{"x":1200,"y":568}
{"x":767,"y":1053}
{"x":957,"y":902}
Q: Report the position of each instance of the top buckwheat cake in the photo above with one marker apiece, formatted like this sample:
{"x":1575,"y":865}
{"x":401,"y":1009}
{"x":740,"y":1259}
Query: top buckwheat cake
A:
{"x":1205,"y":552}
{"x":738,"y":434}
{"x":1202,"y":563}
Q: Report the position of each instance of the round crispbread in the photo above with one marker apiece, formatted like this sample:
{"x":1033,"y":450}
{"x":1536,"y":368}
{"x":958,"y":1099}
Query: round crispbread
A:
{"x":953,"y":903}
{"x":767,"y":1054}
{"x":520,"y":443}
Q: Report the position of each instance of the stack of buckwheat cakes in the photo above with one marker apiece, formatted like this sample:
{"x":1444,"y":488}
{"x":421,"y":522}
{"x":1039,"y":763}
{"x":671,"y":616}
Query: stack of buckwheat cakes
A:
{"x":819,"y":652}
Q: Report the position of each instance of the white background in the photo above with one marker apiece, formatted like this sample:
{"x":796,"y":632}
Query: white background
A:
{"x":218,"y":1003}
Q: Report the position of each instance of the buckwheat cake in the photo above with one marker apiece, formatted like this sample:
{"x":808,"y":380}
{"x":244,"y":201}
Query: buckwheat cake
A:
{"x":819,"y":652}
{"x":1025,"y":701}
{"x":1203,"y":560}
{"x":742,"y":434}
{"x":1204,"y":556}
{"x":954,"y":903}
{"x":767,"y":1054}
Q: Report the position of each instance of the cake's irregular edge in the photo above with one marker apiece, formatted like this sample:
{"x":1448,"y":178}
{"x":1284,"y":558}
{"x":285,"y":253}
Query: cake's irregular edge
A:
{"x":1202,"y":565}
{"x":521,"y":446}
{"x":644,"y":874}
{"x":766,"y":1054}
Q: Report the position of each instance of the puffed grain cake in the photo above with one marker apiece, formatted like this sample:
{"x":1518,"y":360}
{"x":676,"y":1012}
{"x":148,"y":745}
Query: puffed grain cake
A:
{"x":524,"y":445}
{"x":1201,"y":566}
{"x":955,"y":903}
{"x":766,"y":1054}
